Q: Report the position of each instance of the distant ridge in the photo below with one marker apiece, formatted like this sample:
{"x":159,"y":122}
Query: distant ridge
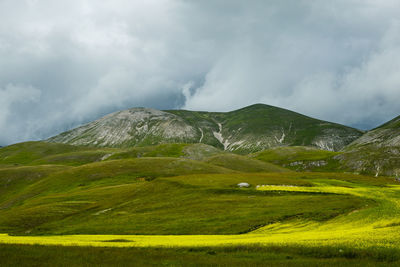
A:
{"x":245,"y":130}
{"x":377,"y":151}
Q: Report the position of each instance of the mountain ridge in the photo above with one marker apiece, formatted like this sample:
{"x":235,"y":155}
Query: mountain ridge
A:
{"x":249,"y":129}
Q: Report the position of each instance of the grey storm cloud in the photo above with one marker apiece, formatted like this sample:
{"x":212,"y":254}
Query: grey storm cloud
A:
{"x":63,"y":63}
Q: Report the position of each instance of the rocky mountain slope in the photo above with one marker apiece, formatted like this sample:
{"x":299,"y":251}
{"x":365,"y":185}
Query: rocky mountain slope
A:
{"x":386,"y":135}
{"x":377,"y":151}
{"x":249,"y":129}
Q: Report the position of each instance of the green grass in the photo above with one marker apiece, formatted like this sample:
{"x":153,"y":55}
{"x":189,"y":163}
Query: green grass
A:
{"x":24,"y":255}
{"x":13,"y":180}
{"x":117,"y":198}
{"x":230,"y":181}
{"x":243,"y":163}
{"x":74,"y":158}
{"x":293,"y":153}
{"x":163,"y":150}
{"x":300,"y":158}
{"x":354,"y":216}
{"x":25,"y":153}
{"x":191,"y":151}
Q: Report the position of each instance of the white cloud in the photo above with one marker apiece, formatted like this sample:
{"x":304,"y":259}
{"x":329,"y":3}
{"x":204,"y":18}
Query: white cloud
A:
{"x":15,"y":95}
{"x":337,"y":61}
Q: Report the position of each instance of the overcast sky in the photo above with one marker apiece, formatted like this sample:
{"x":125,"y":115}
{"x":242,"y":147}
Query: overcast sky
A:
{"x":63,"y":63}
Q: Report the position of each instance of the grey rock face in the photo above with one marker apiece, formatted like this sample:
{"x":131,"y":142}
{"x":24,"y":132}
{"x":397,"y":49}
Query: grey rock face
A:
{"x":129,"y":128}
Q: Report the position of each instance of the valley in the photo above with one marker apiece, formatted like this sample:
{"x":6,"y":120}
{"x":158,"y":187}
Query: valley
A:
{"x":303,"y":204}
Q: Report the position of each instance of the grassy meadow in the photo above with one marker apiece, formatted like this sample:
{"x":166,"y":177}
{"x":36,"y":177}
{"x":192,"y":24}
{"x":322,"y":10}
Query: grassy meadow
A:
{"x":179,"y":205}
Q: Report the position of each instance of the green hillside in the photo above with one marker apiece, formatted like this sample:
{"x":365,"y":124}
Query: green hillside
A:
{"x":49,"y":188}
{"x":242,"y":163}
{"x":155,"y":196}
{"x":300,"y":158}
{"x":40,"y":153}
{"x":190,"y":151}
{"x":27,"y":152}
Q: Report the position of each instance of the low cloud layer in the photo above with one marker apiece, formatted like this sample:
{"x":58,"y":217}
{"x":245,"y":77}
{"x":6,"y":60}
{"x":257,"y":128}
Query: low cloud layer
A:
{"x":63,"y":63}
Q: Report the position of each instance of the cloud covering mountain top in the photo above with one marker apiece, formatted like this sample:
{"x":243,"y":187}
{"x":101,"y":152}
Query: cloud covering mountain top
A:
{"x":67,"y":62}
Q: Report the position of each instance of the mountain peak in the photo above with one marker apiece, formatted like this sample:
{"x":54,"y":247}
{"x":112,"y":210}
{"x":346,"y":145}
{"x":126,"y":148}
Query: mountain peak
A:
{"x":249,"y":129}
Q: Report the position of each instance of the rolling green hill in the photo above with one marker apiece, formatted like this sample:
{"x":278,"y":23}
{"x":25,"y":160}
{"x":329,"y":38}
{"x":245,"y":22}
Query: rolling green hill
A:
{"x":49,"y":188}
{"x":53,"y":154}
{"x":154,"y":196}
{"x":27,"y":152}
{"x":249,"y":129}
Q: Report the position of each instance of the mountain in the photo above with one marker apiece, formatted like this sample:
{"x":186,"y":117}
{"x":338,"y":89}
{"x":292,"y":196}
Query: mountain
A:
{"x":249,"y":129}
{"x":377,"y":151}
{"x":386,"y":135}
